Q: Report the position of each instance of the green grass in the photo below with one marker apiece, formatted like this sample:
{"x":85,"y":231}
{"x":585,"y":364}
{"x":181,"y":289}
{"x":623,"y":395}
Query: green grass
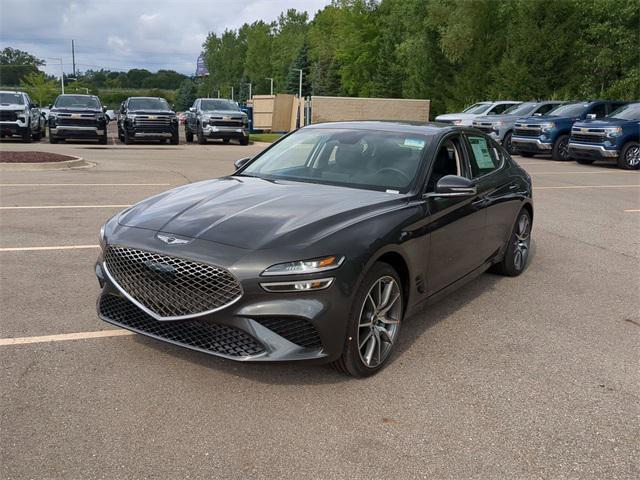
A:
{"x":264,"y":137}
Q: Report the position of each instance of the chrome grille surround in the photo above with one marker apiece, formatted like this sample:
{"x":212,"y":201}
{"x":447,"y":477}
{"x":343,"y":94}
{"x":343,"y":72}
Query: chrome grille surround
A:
{"x":167,"y":287}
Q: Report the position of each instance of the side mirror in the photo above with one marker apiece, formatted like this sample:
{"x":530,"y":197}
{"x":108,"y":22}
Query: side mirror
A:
{"x":50,"y":106}
{"x":241,"y":162}
{"x":453,"y":186}
{"x":591,"y":116}
{"x":104,"y":109}
{"x":35,"y":105}
{"x":537,"y":114}
{"x":191,"y":109}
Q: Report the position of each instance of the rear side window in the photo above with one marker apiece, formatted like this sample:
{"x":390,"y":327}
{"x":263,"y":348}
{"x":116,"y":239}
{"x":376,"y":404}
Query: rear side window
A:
{"x":545,"y":108}
{"x":484,"y":158}
{"x":600,"y":110}
{"x":498,"y":109}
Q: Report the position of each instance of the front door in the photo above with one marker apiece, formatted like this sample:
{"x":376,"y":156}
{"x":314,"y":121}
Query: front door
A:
{"x":456,"y":224}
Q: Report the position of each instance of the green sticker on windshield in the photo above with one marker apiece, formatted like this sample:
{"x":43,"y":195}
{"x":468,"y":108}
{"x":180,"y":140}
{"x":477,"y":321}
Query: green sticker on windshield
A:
{"x":414,"y":142}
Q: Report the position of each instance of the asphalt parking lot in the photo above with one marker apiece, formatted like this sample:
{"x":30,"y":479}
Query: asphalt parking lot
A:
{"x":529,"y":377}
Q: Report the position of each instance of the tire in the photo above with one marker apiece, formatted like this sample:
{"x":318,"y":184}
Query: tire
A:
{"x":175,"y":138}
{"x":52,"y":139}
{"x":38,"y":135}
{"x":188,"y":135}
{"x":200,"y":134}
{"x":27,"y":135}
{"x":629,"y":158}
{"x":43,"y":131}
{"x":126,"y":138}
{"x":515,"y":258}
{"x":526,"y":154}
{"x":226,"y":140}
{"x":506,"y":143}
{"x":244,"y":141}
{"x":585,"y":161}
{"x":361,"y":356}
{"x":560,"y":151}
{"x":102,"y":140}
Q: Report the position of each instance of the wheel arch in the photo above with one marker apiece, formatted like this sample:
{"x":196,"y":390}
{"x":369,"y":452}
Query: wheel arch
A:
{"x":395,"y":260}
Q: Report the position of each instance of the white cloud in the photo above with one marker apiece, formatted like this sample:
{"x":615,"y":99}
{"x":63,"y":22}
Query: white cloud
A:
{"x":124,"y":34}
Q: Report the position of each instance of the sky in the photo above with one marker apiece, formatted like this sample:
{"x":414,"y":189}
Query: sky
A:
{"x":119,"y":35}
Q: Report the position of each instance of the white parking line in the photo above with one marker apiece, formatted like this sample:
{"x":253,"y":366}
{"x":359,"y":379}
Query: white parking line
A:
{"x":631,"y":210}
{"x":35,"y":249}
{"x":37,"y":207}
{"x":585,"y":186}
{"x":85,"y":184}
{"x":64,"y":337}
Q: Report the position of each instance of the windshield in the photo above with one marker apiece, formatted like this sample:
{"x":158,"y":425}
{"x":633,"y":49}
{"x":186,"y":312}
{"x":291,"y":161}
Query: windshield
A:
{"x":627,"y":112}
{"x":77,"y":101}
{"x":522,"y":109}
{"x":8,"y":98}
{"x":369,"y":159}
{"x":148,"y":104}
{"x":218,"y":105}
{"x":477,"y":108}
{"x":569,"y":110}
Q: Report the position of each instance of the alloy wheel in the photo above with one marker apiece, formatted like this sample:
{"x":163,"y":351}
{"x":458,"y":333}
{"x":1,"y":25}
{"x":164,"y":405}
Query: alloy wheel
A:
{"x":522,"y":241}
{"x":563,"y":149}
{"x":632,"y":157}
{"x":379,"y":321}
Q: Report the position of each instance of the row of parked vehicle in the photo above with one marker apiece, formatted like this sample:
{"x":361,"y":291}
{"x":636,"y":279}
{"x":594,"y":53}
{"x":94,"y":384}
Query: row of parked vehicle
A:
{"x":581,"y":131}
{"x":74,"y":116}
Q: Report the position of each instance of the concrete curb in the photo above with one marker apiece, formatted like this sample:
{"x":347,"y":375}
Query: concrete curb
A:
{"x":75,"y":162}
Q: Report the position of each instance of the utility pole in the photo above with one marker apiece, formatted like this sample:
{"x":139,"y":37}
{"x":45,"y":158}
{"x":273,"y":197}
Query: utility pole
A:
{"x":232,"y":93}
{"x":300,"y":110}
{"x":271,"y":79}
{"x":61,"y":72}
{"x":300,"y":81}
{"x":218,"y":93}
{"x":73,"y":57}
{"x":249,"y":90}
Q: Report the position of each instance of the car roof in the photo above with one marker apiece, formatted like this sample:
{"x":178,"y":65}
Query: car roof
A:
{"x":12,"y":91}
{"x":424,"y":128}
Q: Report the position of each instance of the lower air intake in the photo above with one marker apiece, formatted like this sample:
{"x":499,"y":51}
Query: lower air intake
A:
{"x":298,"y":331}
{"x":195,"y":334}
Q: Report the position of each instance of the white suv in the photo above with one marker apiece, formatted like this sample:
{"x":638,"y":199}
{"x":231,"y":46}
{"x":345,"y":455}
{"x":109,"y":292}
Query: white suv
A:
{"x":476,"y":110}
{"x":20,"y":116}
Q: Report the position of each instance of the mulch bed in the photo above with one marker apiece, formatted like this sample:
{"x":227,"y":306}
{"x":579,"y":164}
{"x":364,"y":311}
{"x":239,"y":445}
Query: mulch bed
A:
{"x":32,"y":157}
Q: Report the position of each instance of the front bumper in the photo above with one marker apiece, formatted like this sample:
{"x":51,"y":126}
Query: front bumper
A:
{"x":583,"y":150}
{"x":525,"y":144}
{"x":259,"y":327}
{"x":216,"y":131}
{"x":12,"y":128}
{"x":73,"y":131}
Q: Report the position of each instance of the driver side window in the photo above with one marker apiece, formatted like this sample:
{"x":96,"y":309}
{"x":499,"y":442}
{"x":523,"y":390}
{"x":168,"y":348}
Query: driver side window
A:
{"x":448,"y":161}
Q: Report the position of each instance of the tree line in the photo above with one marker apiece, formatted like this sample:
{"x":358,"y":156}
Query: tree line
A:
{"x":452,"y":52}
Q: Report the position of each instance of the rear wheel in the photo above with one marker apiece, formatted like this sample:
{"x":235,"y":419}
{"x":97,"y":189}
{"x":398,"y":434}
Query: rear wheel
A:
{"x":630,"y":156}
{"x":517,"y":254}
{"x":560,"y":149}
{"x":374,"y":323}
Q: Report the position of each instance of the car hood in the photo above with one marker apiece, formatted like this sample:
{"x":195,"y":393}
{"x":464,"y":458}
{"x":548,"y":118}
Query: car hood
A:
{"x":12,"y":106}
{"x":604,"y":122}
{"x":495,"y":118}
{"x":152,"y":112}
{"x":546,"y":119}
{"x":456,"y":116}
{"x":228,"y":113}
{"x":76,"y":110}
{"x":253,"y":213}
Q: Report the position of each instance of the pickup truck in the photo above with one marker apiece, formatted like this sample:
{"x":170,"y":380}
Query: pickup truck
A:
{"x":77,"y":117}
{"x":467,"y":116}
{"x":216,"y":118}
{"x":500,"y":127}
{"x":147,"y":118}
{"x":550,"y":133}
{"x":20,"y":116}
{"x":614,"y":137}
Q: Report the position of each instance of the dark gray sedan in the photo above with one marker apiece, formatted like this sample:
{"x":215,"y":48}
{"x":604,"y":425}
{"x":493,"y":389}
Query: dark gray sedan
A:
{"x":318,"y":248}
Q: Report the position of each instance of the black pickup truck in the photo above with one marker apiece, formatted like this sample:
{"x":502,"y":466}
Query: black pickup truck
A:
{"x":77,"y":117}
{"x":147,"y":118}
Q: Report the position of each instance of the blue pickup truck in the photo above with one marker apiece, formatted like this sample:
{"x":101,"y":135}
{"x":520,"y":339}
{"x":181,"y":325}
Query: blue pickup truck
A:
{"x":614,"y":137}
{"x":550,"y":133}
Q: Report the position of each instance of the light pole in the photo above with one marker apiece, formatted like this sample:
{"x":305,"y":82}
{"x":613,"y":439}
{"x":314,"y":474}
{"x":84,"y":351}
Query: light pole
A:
{"x":271,"y":79}
{"x":249,"y":90}
{"x":61,"y":72}
{"x":232,"y":93}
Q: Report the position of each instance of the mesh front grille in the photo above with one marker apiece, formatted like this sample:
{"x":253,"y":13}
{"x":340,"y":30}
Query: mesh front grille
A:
{"x":195,"y":334}
{"x":77,"y":122}
{"x":8,"y":116}
{"x":170,"y":286}
{"x":523,"y":132}
{"x":587,"y":138}
{"x":298,"y":331}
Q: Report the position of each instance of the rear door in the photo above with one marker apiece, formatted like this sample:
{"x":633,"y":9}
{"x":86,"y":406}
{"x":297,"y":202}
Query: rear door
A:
{"x":495,"y":192}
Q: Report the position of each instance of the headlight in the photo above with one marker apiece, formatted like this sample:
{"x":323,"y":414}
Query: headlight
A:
{"x":613,"y":132}
{"x":314,"y":265}
{"x":101,"y":237}
{"x":457,"y":122}
{"x":547,"y":126}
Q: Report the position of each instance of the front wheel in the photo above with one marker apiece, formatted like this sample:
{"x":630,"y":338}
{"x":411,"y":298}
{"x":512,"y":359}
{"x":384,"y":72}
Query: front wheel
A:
{"x":175,"y":138}
{"x":102,"y":140}
{"x":630,"y":156}
{"x":27,"y":135}
{"x":506,"y":143}
{"x":244,"y":141}
{"x":126,"y":138}
{"x":201,"y":138}
{"x":515,"y":258}
{"x":374,"y":322}
{"x":560,"y":149}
